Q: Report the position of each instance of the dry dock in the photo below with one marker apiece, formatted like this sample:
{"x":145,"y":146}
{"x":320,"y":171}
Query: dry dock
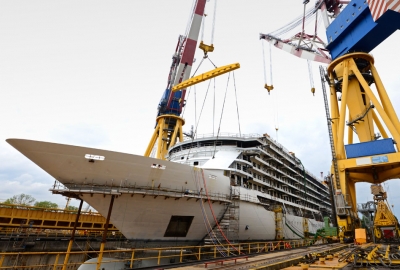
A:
{"x":274,"y":260}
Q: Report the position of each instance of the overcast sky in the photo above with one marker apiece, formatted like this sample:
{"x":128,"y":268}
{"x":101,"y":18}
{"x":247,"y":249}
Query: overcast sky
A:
{"x":91,"y":73}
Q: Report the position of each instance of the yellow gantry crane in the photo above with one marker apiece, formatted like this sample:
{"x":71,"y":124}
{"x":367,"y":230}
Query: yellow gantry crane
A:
{"x":372,"y":159}
{"x":359,"y":103}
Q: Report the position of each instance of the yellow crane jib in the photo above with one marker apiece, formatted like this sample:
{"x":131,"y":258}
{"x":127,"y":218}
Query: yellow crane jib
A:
{"x":205,"y":76}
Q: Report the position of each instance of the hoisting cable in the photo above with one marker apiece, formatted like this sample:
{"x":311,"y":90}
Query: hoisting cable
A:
{"x":311,"y":77}
{"x":237,"y":106}
{"x":276,"y":114}
{"x":270,"y":66}
{"x":304,"y":19}
{"x":189,"y":87}
{"x":195,"y":109}
{"x":197,"y":176}
{"x":214,"y":109}
{"x":191,"y":15}
{"x":213,"y":23}
{"x":213,"y":214}
{"x":222,"y":112}
{"x":203,"y":23}
{"x":197,"y":121}
{"x":266,"y":86}
{"x":293,"y":24}
{"x":187,"y":98}
{"x":209,"y":228}
{"x":212,"y":62}
{"x":206,"y":221}
{"x":207,"y":48}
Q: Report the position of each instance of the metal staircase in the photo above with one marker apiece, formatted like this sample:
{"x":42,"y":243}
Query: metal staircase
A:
{"x":229,"y":223}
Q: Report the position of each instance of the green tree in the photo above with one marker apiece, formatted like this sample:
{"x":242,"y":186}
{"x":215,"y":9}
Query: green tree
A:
{"x":46,"y":204}
{"x":21,"y":199}
{"x":72,"y":208}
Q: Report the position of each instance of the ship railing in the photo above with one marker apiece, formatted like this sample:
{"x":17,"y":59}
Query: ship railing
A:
{"x":287,"y":192}
{"x":279,"y":148}
{"x":224,"y":135}
{"x":196,"y":151}
{"x":143,"y":190}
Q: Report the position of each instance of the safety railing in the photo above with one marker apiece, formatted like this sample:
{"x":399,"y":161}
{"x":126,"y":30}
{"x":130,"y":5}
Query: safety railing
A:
{"x":58,"y":187}
{"x":9,"y":232}
{"x":154,"y":256}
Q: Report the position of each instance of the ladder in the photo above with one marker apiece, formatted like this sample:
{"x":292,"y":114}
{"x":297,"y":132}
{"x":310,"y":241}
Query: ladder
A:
{"x":341,"y":210}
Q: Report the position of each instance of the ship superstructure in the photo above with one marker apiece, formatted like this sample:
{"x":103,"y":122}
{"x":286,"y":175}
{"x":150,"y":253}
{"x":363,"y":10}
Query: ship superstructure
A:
{"x":263,"y":165}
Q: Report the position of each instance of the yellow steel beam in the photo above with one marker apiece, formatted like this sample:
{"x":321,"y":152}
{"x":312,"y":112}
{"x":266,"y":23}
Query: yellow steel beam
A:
{"x":205,"y":76}
{"x":48,"y":218}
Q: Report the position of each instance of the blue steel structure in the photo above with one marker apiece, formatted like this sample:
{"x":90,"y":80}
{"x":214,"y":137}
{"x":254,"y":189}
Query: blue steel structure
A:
{"x":354,"y":29}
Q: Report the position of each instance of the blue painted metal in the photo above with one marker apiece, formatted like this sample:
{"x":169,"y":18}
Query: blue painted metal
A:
{"x":175,"y":107}
{"x":371,"y":148}
{"x":354,"y":30}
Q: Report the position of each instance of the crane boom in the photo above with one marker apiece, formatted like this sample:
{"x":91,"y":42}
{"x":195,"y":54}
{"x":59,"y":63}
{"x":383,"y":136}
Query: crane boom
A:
{"x":182,"y":61}
{"x":169,"y":123}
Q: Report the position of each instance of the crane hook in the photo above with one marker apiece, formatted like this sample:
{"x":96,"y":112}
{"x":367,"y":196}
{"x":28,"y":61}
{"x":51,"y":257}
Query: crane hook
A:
{"x":269,"y":87}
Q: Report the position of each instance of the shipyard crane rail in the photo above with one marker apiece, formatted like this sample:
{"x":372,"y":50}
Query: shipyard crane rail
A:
{"x":353,"y":29}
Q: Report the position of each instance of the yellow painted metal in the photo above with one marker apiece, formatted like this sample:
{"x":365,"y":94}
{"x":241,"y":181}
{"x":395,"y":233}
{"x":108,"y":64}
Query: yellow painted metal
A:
{"x":199,"y":254}
{"x":55,"y":262}
{"x":371,"y":256}
{"x":2,"y":259}
{"x":278,"y":222}
{"x":205,"y":76}
{"x":206,"y":48}
{"x":350,"y":133}
{"x":169,"y":127}
{"x":152,"y":142}
{"x":160,"y":138}
{"x":384,"y":217}
{"x":387,"y":105}
{"x":389,"y":124}
{"x":37,"y":219}
{"x":379,"y":125}
{"x":159,"y":257}
{"x":340,"y":141}
{"x":132,"y":258}
{"x":100,"y":257}
{"x":166,"y":134}
{"x":128,"y":255}
{"x":268,"y":87}
{"x":65,"y":264}
{"x":356,"y":102}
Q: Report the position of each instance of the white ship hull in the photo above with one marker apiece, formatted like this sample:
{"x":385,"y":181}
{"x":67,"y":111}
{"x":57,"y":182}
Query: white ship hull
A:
{"x":150,"y":192}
